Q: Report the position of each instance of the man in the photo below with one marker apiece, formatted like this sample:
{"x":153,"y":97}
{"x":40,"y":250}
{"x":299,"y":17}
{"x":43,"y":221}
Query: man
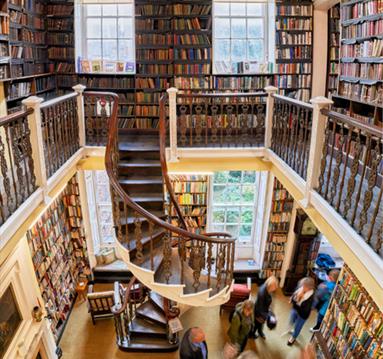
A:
{"x":262,"y":305}
{"x":193,"y":344}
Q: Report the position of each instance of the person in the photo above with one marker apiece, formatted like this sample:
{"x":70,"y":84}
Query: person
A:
{"x":248,"y":354}
{"x":241,"y":324}
{"x":262,"y":305}
{"x":193,"y":344}
{"x":302,"y":301}
{"x":322,"y":297}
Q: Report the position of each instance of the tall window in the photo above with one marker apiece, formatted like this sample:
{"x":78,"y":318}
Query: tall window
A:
{"x":105,"y":37}
{"x":240,"y":36}
{"x":234,"y":200}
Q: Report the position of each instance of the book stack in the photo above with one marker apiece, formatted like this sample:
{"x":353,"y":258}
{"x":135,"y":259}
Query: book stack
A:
{"x":333,"y":50}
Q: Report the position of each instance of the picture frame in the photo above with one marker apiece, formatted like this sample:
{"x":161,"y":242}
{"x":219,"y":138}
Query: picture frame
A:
{"x":10,"y":319}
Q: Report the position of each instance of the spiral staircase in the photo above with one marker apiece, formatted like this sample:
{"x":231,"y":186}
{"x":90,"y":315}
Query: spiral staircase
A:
{"x":177,"y":264}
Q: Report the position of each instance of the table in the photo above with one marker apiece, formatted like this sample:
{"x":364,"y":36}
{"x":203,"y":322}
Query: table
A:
{"x":81,"y":289}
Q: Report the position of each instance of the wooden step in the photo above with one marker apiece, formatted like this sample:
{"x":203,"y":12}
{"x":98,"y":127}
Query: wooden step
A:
{"x":146,"y":197}
{"x":158,"y":300}
{"x":141,"y":327}
{"x":139,"y":131}
{"x":131,"y":220}
{"x":139,"y":163}
{"x":140,"y":180}
{"x":152,"y":313}
{"x":140,"y":344}
{"x":137,"y":147}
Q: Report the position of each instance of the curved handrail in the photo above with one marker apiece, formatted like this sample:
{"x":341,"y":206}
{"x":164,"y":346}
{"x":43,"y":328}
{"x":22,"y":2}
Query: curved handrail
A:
{"x":15,"y":116}
{"x":293,"y":101}
{"x":116,"y":310}
{"x":112,"y":138}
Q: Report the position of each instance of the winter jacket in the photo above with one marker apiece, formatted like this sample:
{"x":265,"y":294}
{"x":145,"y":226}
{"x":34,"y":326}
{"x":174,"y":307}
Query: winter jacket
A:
{"x":262,"y":303}
{"x":323,"y":295}
{"x":188,"y":350}
{"x":304,"y":308}
{"x":240,"y":326}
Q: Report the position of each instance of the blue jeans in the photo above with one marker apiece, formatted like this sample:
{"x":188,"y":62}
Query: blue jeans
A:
{"x":297,"y":321}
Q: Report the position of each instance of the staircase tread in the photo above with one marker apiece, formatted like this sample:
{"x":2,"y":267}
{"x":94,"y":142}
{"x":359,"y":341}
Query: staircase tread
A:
{"x":146,"y":238}
{"x":151,"y":312}
{"x":157,"y":300}
{"x":140,"y":180}
{"x":131,"y":219}
{"x":157,"y":259}
{"x":141,"y":326}
{"x":149,"y":344}
{"x":146,"y":197}
{"x":139,"y":163}
{"x":138,"y":146}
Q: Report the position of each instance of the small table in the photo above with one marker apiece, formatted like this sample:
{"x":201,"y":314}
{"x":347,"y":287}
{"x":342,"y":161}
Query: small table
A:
{"x":81,"y":289}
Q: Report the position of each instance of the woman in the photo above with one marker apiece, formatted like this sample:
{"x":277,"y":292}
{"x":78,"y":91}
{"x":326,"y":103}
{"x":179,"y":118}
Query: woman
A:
{"x":302,"y":301}
{"x":241,"y":324}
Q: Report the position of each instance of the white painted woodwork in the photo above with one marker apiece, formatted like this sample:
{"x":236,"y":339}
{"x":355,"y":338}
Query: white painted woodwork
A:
{"x":79,"y":89}
{"x":172,"y":92}
{"x":270,"y":90}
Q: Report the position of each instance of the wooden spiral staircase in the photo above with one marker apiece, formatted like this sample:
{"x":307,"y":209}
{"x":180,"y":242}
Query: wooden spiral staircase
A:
{"x":172,"y":261}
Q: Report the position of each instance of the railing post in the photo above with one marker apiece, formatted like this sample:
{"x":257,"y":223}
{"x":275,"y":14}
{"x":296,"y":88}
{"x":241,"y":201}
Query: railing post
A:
{"x":80,"y":112}
{"x":270,"y":90}
{"x":37,"y":142}
{"x":318,"y":129}
{"x":173,"y":123}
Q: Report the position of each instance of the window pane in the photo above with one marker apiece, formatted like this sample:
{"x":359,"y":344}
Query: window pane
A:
{"x":220,"y":177}
{"x":222,"y":50}
{"x":232,"y":194}
{"x":219,"y":215}
{"x":232,"y":215}
{"x":125,"y":10}
{"x":238,"y":9}
{"x":233,"y":230}
{"x":238,"y":28}
{"x":222,"y":28}
{"x":109,"y":50}
{"x":218,"y":228}
{"x":247,"y":215}
{"x":247,"y":194}
{"x":248,"y":177}
{"x":255,"y":50}
{"x":218,"y":196}
{"x":255,"y":28}
{"x":238,"y":50}
{"x":245,"y":231}
{"x":125,"y":50}
{"x":109,"y":28}
{"x":94,"y":49}
{"x":109,"y":10}
{"x":221,"y":8}
{"x":93,"y":28}
{"x":235,"y":176}
{"x":93,"y":10}
{"x":125,"y":27}
{"x":255,"y":9}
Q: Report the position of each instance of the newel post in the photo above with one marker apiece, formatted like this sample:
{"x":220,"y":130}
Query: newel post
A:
{"x":80,"y":112}
{"x":318,"y":129}
{"x":37,"y":141}
{"x":270,"y":90}
{"x":172,"y":92}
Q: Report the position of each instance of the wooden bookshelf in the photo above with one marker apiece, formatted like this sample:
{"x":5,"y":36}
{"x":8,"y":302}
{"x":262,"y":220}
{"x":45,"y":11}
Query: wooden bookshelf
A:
{"x":294,"y":48}
{"x":353,"y":324}
{"x":360,"y":90}
{"x":333,"y":50}
{"x":191,"y":193}
{"x":279,"y":224}
{"x":59,"y":254}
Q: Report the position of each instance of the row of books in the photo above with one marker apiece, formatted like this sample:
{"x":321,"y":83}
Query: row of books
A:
{"x":301,"y":94}
{"x":60,"y":39}
{"x":296,"y":68}
{"x":34,"y":37}
{"x":4,"y":71}
{"x":364,"y":70}
{"x":272,"y":258}
{"x":192,"y":54}
{"x":362,"y":118}
{"x":297,"y":10}
{"x":279,"y":227}
{"x":243,"y":82}
{"x":277,"y":239}
{"x":4,"y":25}
{"x":191,"y":187}
{"x":364,"y":29}
{"x":108,"y":82}
{"x":60,"y":9}
{"x":28,"y":53}
{"x":293,"y":81}
{"x":145,"y":97}
{"x":365,"y":49}
{"x":334,"y":39}
{"x":155,"y":69}
{"x":294,"y":24}
{"x":364,"y":8}
{"x":191,"y":9}
{"x":285,"y":38}
{"x":60,"y":24}
{"x":281,"y":217}
{"x":190,"y":24}
{"x":334,"y":53}
{"x":275,"y":247}
{"x":19,"y":89}
{"x":153,"y":10}
{"x":193,"y":82}
{"x":60,"y":52}
{"x":361,"y":92}
{"x":195,"y":222}
{"x":147,"y":110}
{"x":158,"y":54}
{"x":192,"y":39}
{"x":190,"y":211}
{"x":281,"y":206}
{"x":152,"y":24}
{"x":152,"y":83}
{"x":196,"y":69}
{"x":45,"y":83}
{"x":294,"y":52}
{"x":192,"y":199}
{"x":333,"y":83}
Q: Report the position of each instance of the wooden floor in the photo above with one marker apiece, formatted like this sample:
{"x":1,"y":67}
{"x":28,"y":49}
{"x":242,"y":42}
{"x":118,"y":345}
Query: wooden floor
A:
{"x":82,"y":340}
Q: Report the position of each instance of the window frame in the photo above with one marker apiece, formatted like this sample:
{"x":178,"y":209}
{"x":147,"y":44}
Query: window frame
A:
{"x":266,"y":33}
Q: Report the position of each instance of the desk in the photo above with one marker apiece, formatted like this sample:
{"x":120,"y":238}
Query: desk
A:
{"x":81,"y":289}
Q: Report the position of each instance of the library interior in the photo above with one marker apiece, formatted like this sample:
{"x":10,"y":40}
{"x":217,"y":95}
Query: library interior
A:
{"x":209,"y":186}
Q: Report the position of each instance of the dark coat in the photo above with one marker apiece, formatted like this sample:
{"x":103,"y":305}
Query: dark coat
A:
{"x":188,"y":350}
{"x":262,"y":303}
{"x":240,"y":326}
{"x":304,"y":309}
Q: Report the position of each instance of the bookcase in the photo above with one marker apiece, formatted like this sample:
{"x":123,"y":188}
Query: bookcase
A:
{"x":24,"y":65}
{"x":279,"y":224}
{"x":333,"y":50}
{"x":360,"y":90}
{"x":353,"y":324}
{"x":192,"y":194}
{"x":294,"y":50}
{"x":59,"y":254}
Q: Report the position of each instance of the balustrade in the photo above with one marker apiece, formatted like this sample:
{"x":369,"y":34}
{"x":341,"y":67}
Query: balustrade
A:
{"x":351,"y":175}
{"x":18,"y":180}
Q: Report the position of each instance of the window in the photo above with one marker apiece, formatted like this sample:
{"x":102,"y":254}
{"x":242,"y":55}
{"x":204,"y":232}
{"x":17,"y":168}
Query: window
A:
{"x":105,"y":37}
{"x":240,"y":36}
{"x":234,"y":199}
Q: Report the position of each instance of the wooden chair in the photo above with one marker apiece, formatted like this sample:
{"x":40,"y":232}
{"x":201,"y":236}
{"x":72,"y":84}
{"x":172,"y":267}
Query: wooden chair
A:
{"x":240,"y":293}
{"x":100,"y":304}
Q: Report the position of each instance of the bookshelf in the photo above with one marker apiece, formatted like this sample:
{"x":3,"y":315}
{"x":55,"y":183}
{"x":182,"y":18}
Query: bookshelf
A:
{"x":294,"y":47}
{"x":333,"y":50}
{"x":59,"y":254}
{"x":360,"y":90}
{"x":279,"y":224}
{"x":191,"y":194}
{"x":353,"y":324}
